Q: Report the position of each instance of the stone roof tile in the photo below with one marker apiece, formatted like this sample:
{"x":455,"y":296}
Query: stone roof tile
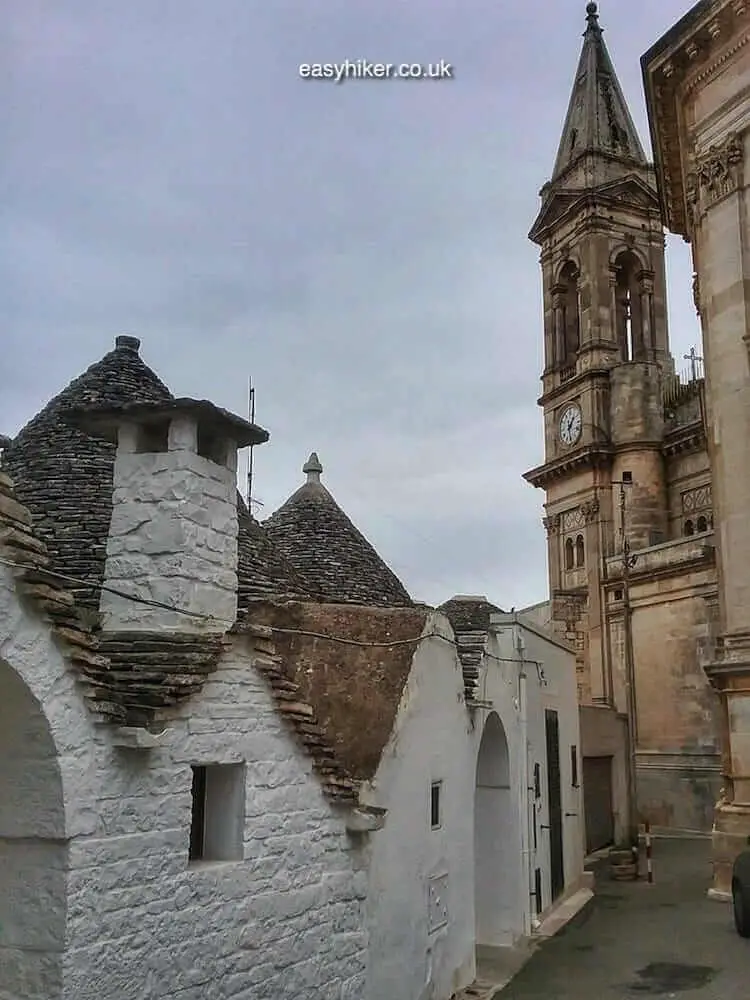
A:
{"x":470,"y":620}
{"x":329,"y":553}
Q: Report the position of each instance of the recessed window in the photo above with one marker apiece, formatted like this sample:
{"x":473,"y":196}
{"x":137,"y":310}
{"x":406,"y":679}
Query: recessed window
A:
{"x":218,"y":813}
{"x":436,"y":805}
{"x":574,"y":766}
{"x":617,"y":596}
{"x":211,"y":445}
{"x":153,"y":438}
{"x":580,"y":552}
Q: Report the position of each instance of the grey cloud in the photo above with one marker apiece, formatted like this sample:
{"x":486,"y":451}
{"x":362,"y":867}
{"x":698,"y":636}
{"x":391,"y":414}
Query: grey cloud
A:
{"x":360,"y":250}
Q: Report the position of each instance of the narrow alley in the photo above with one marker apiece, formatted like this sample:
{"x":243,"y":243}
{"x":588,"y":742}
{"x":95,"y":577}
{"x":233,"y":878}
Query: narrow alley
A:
{"x":635,"y":940}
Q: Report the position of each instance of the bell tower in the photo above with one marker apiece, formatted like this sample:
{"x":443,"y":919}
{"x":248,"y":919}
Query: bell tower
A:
{"x":606,"y":351}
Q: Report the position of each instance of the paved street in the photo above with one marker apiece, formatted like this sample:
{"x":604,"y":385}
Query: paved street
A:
{"x":639,"y":941}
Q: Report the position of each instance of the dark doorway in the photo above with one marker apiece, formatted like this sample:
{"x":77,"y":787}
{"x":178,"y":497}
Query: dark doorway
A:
{"x":597,"y":801}
{"x":554,"y":794}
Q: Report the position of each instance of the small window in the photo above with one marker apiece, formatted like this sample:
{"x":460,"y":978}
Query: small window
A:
{"x":689,"y":528}
{"x":574,"y":766}
{"x":617,"y":596}
{"x":702,"y":524}
{"x":153,"y":438}
{"x":569,"y":554}
{"x":211,"y":446}
{"x":436,"y":805}
{"x":218,"y":813}
{"x":580,"y":551}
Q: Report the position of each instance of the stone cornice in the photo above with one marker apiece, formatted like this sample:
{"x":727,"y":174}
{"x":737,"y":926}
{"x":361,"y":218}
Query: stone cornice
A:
{"x":685,"y":440}
{"x":693,"y":51}
{"x":588,"y":457}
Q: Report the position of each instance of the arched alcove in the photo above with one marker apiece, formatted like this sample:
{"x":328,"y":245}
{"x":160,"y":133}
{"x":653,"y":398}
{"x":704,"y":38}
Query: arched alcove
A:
{"x":33,"y":849}
{"x":496,"y":846}
{"x":580,"y":552}
{"x":569,"y":554}
{"x":571,"y":312}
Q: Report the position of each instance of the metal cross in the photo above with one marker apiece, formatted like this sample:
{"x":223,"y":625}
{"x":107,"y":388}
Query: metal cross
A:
{"x":693,"y":358}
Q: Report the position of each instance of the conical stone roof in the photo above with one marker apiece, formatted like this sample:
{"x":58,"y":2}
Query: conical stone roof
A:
{"x":64,"y":477}
{"x":329,"y":553}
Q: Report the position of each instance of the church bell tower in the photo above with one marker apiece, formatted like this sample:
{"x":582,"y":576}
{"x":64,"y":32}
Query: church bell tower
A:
{"x":606,"y":352}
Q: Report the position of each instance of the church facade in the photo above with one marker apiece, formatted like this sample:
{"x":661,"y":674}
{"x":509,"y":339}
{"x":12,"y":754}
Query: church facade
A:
{"x":626,"y":476}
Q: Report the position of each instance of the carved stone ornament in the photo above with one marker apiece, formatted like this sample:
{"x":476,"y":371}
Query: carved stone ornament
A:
{"x":716,"y":174}
{"x":551,"y":524}
{"x":697,"y":293}
{"x":589,"y":510}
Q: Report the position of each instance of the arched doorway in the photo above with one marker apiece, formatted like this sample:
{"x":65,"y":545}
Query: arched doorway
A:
{"x":497,"y":860}
{"x":33,"y":851}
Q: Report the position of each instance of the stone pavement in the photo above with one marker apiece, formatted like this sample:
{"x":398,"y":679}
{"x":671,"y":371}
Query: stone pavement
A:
{"x":635,"y":941}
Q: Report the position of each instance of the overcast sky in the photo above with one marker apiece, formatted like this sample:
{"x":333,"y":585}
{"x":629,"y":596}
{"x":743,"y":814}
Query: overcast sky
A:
{"x":360,"y":249}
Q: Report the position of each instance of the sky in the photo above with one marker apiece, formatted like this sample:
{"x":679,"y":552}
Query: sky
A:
{"x":359,"y":249}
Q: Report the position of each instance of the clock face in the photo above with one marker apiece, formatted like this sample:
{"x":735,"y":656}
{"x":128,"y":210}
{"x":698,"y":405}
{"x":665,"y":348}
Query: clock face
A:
{"x":571,"y":425}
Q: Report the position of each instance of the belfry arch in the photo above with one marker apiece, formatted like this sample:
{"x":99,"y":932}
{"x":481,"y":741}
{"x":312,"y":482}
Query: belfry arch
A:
{"x":33,"y":847}
{"x":633,"y":306}
{"x":567,"y":315}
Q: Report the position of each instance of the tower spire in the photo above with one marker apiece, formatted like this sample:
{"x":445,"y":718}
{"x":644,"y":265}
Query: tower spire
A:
{"x":598,"y":122}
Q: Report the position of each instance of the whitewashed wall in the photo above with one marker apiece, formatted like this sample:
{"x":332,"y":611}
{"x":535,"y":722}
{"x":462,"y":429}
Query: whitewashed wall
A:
{"x":558,"y":693}
{"x":140,"y":923}
{"x":417,"y":871}
{"x":505,"y":885}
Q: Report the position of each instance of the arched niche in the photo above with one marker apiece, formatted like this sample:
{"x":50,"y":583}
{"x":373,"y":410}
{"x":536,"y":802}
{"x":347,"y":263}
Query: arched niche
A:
{"x":567,"y":315}
{"x":33,"y":846}
{"x":496,"y":841}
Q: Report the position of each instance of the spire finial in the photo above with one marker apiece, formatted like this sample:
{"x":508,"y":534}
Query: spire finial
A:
{"x":592,"y":15}
{"x":312,"y":468}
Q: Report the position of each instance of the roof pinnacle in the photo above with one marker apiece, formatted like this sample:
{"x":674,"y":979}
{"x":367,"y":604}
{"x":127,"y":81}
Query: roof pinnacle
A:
{"x":312,"y":468}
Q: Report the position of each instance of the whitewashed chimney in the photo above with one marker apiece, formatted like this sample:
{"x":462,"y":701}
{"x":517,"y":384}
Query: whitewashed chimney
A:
{"x":172,"y":542}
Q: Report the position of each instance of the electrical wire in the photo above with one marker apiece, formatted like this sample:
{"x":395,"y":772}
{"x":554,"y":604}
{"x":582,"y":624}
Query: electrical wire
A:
{"x":342,"y":640}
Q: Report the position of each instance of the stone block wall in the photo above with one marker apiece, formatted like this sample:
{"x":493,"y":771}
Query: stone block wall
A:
{"x":172,"y":539}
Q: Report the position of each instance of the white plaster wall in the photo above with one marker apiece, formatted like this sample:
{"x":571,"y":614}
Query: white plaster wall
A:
{"x":141,"y":924}
{"x":560,"y":694}
{"x":431,"y":742}
{"x":499,"y":687}
{"x":173,"y":539}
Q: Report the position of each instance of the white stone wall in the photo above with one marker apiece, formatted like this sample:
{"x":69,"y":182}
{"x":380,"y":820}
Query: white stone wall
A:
{"x":140,"y":923}
{"x":408,"y":859}
{"x":172,"y":539}
{"x":503,"y":892}
{"x":560,"y":694}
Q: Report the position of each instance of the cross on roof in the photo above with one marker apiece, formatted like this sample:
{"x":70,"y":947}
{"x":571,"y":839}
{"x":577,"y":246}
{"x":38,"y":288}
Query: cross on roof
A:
{"x":694,"y":358}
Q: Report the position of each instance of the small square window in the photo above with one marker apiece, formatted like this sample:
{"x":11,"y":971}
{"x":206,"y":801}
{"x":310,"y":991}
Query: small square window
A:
{"x":436,"y":805}
{"x":218,"y":813}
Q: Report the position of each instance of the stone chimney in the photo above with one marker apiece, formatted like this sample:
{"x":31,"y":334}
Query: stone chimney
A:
{"x":172,"y":541}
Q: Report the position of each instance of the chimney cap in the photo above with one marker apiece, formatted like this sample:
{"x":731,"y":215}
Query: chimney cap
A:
{"x":127,"y":343}
{"x":104,"y":421}
{"x":4,"y":441}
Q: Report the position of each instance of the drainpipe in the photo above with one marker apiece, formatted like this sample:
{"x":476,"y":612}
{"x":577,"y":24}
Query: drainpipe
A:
{"x":526,"y":835}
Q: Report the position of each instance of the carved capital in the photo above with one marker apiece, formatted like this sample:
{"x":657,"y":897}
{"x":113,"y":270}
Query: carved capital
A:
{"x":590,"y":510}
{"x":552,"y":524}
{"x":716,"y":174}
